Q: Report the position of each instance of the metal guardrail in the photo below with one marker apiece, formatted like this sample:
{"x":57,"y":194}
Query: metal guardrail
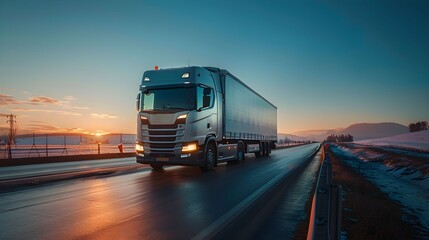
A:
{"x":325,"y":217}
{"x":41,"y":150}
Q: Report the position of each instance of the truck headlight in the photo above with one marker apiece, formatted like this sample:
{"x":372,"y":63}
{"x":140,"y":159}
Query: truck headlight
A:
{"x":181,"y":119}
{"x":139,"y":148}
{"x":189,"y":147}
{"x":144,"y":120}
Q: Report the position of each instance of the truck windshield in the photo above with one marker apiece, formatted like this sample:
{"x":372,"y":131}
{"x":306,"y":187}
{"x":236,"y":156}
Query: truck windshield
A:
{"x":168,"y":99}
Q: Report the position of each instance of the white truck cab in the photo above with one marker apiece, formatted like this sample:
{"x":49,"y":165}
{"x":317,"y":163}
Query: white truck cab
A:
{"x":189,"y":116}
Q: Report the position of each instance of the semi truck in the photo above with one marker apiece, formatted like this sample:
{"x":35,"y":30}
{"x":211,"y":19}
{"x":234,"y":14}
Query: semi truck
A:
{"x":201,"y":116}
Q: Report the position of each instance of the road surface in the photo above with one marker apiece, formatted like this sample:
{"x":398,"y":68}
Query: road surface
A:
{"x":178,"y":203}
{"x":34,"y":170}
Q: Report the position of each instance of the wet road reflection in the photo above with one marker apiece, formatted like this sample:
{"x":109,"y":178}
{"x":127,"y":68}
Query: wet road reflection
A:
{"x":174,"y":204}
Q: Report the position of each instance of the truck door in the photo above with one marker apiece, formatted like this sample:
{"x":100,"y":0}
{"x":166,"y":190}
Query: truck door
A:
{"x":207,"y":112}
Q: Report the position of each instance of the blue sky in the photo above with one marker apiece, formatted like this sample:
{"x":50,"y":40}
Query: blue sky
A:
{"x":324,"y":64}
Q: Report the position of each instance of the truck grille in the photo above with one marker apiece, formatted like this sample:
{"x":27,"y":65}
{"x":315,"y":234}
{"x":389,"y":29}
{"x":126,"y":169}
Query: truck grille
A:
{"x":162,"y":145}
{"x":162,"y":140}
{"x":155,"y":133}
{"x":172,"y":126}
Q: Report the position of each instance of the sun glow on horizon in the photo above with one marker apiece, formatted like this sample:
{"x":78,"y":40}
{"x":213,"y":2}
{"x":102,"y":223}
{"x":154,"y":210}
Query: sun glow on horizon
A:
{"x":99,"y":133}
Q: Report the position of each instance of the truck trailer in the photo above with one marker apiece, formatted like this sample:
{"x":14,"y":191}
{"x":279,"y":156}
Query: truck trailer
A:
{"x":201,"y":116}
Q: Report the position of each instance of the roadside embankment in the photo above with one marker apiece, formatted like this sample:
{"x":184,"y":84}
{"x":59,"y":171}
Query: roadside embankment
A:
{"x":368,"y":213}
{"x":54,"y":159}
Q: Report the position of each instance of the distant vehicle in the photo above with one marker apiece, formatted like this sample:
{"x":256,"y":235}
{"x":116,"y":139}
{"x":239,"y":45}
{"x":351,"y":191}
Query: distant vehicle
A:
{"x":201,"y":116}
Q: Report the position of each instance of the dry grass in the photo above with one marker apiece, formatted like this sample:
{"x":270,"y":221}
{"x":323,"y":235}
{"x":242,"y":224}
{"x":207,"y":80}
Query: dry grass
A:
{"x":367,"y":212}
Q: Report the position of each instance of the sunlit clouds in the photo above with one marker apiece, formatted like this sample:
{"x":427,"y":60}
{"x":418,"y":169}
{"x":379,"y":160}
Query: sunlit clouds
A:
{"x":46,"y":111}
{"x":40,"y":104}
{"x":7,"y":100}
{"x":45,"y":128}
{"x":48,"y":114}
{"x":70,"y":98}
{"x":37,"y":126}
{"x":103,"y":115}
{"x":43,"y":99}
{"x":329,"y":66}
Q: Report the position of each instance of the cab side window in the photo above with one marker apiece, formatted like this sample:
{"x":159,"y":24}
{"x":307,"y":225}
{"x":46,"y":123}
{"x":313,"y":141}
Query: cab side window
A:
{"x":205,"y":97}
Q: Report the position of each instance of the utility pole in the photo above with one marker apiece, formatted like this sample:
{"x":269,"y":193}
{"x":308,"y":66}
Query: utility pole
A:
{"x":34,"y":146}
{"x":46,"y":144}
{"x":12,"y":132}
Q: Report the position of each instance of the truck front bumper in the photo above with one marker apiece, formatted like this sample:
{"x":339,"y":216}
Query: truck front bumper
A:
{"x":194,"y":159}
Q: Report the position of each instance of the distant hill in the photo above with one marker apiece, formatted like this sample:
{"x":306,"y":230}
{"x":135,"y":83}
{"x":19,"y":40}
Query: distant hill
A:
{"x":291,"y":137}
{"x":359,"y":131}
{"x":415,"y":141}
{"x":362,"y":131}
{"x":317,"y":135}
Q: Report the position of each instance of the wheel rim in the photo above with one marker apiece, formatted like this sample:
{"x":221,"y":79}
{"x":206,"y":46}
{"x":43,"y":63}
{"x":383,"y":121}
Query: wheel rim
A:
{"x":210,"y":157}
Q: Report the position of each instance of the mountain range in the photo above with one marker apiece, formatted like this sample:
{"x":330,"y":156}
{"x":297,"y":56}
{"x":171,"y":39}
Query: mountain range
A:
{"x":359,"y":131}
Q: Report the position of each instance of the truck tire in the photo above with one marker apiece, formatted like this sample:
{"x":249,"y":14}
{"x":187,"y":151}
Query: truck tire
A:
{"x":240,"y":152}
{"x":157,"y":166}
{"x":209,"y":157}
{"x":259,"y":153}
{"x":267,"y":150}
{"x":264,"y":149}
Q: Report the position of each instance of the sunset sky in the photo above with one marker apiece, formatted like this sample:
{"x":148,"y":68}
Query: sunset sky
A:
{"x":75,"y":66}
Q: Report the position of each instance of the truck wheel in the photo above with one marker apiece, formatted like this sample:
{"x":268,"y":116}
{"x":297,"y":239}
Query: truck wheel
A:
{"x":263,"y":150}
{"x":240,"y":152}
{"x":209,"y":157}
{"x":269,"y":149}
{"x":258,"y":154}
{"x":157,"y":166}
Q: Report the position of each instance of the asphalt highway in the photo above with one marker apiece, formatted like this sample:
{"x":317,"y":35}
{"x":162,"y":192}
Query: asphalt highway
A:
{"x":177,"y":203}
{"x":34,"y":170}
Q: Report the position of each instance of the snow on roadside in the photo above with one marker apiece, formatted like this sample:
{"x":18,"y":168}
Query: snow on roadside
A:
{"x":415,"y":140}
{"x":405,"y":185}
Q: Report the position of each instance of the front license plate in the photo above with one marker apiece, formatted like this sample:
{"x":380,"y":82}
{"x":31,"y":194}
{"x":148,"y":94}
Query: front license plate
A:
{"x":162,"y":159}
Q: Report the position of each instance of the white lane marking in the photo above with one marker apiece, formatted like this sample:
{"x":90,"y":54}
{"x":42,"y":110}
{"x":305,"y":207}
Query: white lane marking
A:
{"x":211,"y":231}
{"x":216,"y":226}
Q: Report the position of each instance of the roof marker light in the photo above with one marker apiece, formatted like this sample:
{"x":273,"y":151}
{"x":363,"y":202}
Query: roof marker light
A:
{"x":185,"y":75}
{"x":146,"y":79}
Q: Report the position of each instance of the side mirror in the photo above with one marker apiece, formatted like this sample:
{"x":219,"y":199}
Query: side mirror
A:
{"x":138,"y":102}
